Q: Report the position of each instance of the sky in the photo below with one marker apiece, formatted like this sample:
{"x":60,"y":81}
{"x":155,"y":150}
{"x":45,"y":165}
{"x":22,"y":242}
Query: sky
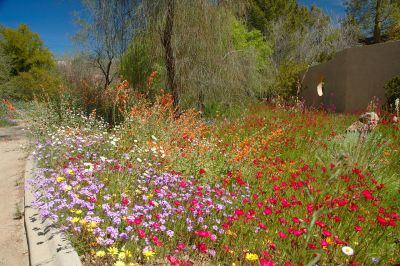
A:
{"x":53,"y":19}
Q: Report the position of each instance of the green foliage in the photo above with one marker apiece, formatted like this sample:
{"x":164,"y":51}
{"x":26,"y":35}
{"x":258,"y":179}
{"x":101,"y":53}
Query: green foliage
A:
{"x":137,"y":63}
{"x":392,"y":90}
{"x":285,"y":83}
{"x":25,"y":49}
{"x":4,"y":116}
{"x":253,"y":39}
{"x":35,"y":82}
{"x":386,"y":19}
{"x":263,"y":13}
{"x":105,"y":29}
{"x":4,"y":67}
{"x":216,"y":58}
{"x":30,"y":64}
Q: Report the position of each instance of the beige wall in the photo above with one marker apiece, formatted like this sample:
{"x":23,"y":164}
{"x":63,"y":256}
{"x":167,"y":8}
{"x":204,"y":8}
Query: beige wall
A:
{"x":353,"y":77}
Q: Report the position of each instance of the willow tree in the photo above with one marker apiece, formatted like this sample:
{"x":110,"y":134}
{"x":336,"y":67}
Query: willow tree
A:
{"x":196,"y":42}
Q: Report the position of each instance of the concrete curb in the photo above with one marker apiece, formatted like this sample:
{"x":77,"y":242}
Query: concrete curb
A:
{"x":47,"y":246}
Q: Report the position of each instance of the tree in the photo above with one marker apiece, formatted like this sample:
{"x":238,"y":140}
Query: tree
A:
{"x":4,"y":68}
{"x":262,"y":14}
{"x":25,"y":49}
{"x":215,"y":60}
{"x":107,"y":31}
{"x":30,"y":64}
{"x":169,"y":54}
{"x":375,"y":17}
{"x":316,"y":41}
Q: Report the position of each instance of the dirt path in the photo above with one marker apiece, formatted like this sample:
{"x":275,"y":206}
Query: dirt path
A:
{"x":13,"y":244}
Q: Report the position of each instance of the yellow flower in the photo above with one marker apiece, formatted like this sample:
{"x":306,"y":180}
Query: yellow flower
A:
{"x":78,"y":211}
{"x":133,"y":264}
{"x":100,"y":253}
{"x":60,"y":179}
{"x":149,"y":196}
{"x":75,"y":219}
{"x":112,"y":251}
{"x":93,"y":224}
{"x":329,"y":240}
{"x":119,"y":263}
{"x":121,"y":256}
{"x":251,"y":257}
{"x":148,"y":253}
{"x":128,"y":254}
{"x":68,"y":188}
{"x":83,"y":222}
{"x":230,"y":233}
{"x":70,"y":172}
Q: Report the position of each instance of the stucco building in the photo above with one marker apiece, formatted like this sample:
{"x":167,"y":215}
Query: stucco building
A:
{"x":348,"y":82}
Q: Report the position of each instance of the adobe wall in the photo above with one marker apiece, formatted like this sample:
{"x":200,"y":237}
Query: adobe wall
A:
{"x":353,"y":77}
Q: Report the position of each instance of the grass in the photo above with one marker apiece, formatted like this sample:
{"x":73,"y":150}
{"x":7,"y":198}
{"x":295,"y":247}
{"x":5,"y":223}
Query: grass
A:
{"x":6,"y":114}
{"x":273,"y":186}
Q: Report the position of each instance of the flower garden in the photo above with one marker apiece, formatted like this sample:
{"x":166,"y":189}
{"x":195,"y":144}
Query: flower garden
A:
{"x":273,"y":186}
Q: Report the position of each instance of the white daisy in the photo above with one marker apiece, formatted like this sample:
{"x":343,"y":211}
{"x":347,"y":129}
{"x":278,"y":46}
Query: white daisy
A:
{"x":347,"y":250}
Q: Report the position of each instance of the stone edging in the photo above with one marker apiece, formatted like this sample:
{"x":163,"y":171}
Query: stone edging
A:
{"x":47,"y":246}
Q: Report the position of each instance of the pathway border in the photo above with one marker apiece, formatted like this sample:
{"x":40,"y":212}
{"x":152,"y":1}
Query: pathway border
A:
{"x":47,"y":245}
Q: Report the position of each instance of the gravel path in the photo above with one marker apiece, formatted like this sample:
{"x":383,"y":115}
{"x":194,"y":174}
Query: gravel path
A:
{"x":13,"y":244}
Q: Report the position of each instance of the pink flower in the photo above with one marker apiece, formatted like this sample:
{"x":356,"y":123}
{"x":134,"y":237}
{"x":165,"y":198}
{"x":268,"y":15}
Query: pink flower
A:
{"x":125,"y":201}
{"x":367,"y":194}
{"x":202,"y":233}
{"x":358,"y":228}
{"x":202,"y":247}
{"x":180,"y":246}
{"x":281,"y":234}
{"x":326,"y":233}
{"x":267,"y":211}
{"x":174,"y":261}
{"x":297,"y":232}
{"x":141,"y":233}
{"x":265,"y":262}
{"x":324,"y":243}
{"x":262,"y":226}
{"x":239,"y":212}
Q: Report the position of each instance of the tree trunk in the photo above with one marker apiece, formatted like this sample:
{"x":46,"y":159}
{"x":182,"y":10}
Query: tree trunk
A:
{"x":107,"y":75}
{"x":200,"y":101}
{"x":378,"y":23}
{"x":169,"y":55}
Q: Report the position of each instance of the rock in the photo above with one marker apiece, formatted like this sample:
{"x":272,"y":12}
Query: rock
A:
{"x":356,"y":127}
{"x":365,"y":124}
{"x":370,"y":118}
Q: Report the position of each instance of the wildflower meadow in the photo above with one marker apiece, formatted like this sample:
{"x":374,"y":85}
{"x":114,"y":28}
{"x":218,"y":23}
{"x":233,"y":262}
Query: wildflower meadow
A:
{"x":276,"y":185}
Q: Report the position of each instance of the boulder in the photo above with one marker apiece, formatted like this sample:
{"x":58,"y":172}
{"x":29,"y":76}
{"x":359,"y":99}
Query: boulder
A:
{"x":365,"y":124}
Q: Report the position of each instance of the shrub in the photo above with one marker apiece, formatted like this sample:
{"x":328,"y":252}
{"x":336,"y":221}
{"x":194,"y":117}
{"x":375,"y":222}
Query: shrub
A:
{"x":30,"y":64}
{"x":392,"y":90}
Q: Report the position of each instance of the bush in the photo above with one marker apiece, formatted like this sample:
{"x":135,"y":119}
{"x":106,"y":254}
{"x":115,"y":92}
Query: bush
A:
{"x":392,"y":90}
{"x":27,"y":67}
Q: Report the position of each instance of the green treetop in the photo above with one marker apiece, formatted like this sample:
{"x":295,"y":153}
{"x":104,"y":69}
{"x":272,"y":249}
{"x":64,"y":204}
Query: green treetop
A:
{"x":376,"y":17}
{"x":25,"y":49}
